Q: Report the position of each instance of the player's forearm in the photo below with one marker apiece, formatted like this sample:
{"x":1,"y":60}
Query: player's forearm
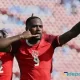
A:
{"x":70,"y":34}
{"x":7,"y":41}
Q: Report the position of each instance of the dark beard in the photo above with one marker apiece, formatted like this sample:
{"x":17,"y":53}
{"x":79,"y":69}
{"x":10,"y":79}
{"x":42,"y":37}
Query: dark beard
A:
{"x":33,"y":40}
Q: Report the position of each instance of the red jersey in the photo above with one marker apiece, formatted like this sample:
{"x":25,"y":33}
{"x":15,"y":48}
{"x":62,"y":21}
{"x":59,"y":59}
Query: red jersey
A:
{"x":6,"y":61}
{"x":35,"y":61}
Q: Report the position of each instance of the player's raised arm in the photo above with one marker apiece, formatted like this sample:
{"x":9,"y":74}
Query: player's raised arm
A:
{"x":4,"y":42}
{"x":64,"y":38}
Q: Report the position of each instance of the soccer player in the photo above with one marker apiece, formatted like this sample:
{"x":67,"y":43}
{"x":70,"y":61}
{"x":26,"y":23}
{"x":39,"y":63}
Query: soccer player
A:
{"x":34,"y":50}
{"x":6,"y":61}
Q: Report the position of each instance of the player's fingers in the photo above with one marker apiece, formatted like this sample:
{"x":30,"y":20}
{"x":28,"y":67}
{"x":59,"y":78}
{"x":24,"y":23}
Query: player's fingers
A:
{"x":34,"y":35}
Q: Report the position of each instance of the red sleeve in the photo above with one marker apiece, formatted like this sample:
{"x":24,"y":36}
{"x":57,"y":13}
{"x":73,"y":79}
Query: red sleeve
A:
{"x":54,"y":40}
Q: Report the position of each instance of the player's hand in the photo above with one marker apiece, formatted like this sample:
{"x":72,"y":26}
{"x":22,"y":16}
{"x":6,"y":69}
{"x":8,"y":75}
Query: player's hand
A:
{"x":27,"y":35}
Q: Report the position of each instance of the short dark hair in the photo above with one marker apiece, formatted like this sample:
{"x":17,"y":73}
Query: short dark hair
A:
{"x":3,"y":32}
{"x":30,"y":18}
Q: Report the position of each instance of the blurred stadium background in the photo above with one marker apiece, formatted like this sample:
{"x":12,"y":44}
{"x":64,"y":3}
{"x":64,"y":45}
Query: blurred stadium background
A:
{"x":58,"y":16}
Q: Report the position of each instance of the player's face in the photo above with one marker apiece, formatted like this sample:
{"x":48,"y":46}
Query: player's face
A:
{"x":1,"y":36}
{"x":36,"y":27}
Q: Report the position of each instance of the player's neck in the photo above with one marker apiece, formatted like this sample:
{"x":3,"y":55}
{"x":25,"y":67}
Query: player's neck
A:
{"x":32,"y":41}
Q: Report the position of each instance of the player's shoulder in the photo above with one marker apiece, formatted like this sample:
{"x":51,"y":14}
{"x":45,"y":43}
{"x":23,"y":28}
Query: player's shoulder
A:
{"x":49,"y":37}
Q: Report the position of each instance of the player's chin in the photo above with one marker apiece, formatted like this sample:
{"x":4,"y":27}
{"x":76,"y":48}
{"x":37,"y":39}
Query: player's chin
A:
{"x":38,"y":37}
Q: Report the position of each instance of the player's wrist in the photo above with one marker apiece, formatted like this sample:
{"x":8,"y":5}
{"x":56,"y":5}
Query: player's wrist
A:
{"x":21,"y":36}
